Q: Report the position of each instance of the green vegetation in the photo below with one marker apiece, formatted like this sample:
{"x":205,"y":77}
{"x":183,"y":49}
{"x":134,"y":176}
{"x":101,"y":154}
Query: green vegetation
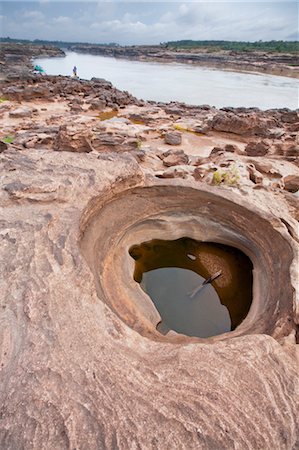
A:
{"x":180,"y":128}
{"x":230,"y":177}
{"x":139,"y":144}
{"x":269,"y":46}
{"x":209,"y":46}
{"x":60,"y":44}
{"x":8,"y":139}
{"x":2,"y":99}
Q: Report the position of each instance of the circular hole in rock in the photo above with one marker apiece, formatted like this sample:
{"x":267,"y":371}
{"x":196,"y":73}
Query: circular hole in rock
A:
{"x":200,"y":289}
{"x":111,"y":226}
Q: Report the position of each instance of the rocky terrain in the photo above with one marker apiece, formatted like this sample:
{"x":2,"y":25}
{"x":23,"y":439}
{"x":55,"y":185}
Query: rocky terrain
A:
{"x":285,"y":64}
{"x":16,"y":59}
{"x":88,"y":170}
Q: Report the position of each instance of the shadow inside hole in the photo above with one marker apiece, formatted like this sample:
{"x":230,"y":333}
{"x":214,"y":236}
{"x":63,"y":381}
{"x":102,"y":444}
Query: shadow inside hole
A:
{"x":199,"y":288}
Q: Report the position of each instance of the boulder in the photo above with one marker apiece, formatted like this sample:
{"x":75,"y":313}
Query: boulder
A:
{"x":174,"y":158}
{"x":70,"y":141}
{"x":243,"y":124}
{"x":231,"y":148}
{"x":173,"y":138}
{"x":97,"y":105}
{"x":255,"y":148}
{"x":22,"y":112}
{"x":291,"y":183}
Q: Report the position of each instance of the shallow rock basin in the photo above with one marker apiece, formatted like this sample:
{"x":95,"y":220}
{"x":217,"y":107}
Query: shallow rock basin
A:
{"x":166,"y":212}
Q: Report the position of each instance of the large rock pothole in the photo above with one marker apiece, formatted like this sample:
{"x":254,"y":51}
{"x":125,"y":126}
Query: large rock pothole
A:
{"x":170,"y":211}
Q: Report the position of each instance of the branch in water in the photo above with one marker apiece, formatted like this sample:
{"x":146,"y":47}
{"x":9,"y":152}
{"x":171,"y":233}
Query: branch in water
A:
{"x":207,"y":281}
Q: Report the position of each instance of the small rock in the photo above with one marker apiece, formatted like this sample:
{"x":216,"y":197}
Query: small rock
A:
{"x":72,"y":142}
{"x":102,"y":82}
{"x":216,"y":151}
{"x":173,"y":138}
{"x":175,"y":172}
{"x":198,"y":174}
{"x":291,"y":183}
{"x":231,"y":148}
{"x":3,"y":146}
{"x":97,"y":105}
{"x":199,"y":161}
{"x":21,"y":112}
{"x":257,"y":148}
{"x":254,"y":175}
{"x":139,"y":155}
{"x":174,"y":158}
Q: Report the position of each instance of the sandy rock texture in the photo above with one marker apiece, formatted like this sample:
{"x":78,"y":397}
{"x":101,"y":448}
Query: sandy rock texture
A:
{"x":74,"y":375}
{"x":81,"y":363}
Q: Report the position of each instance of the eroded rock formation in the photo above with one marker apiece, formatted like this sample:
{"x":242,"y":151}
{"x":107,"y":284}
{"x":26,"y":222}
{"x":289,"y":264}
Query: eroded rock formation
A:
{"x":83,"y":177}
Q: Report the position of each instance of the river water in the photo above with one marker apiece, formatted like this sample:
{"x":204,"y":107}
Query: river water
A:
{"x":180,"y":82}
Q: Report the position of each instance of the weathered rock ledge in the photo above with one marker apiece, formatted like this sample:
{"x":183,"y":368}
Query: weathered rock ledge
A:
{"x":87,"y":171}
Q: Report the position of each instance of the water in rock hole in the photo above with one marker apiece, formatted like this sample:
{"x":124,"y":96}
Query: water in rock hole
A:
{"x":199,"y":288}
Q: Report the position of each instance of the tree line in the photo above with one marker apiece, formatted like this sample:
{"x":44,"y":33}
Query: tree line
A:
{"x":267,"y":46}
{"x":210,"y":46}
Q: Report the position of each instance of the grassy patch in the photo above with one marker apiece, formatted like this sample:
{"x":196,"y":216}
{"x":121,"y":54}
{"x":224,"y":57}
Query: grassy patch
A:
{"x":2,"y":99}
{"x":180,"y":128}
{"x":8,"y":139}
{"x":229,"y":177}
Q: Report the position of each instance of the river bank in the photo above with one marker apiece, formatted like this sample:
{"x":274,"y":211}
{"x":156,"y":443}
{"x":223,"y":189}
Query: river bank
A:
{"x":257,"y":62}
{"x":193,"y":85}
{"x":116,"y":119}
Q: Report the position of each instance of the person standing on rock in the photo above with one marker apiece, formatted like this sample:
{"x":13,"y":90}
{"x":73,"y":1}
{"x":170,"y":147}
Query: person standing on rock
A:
{"x":75,"y":72}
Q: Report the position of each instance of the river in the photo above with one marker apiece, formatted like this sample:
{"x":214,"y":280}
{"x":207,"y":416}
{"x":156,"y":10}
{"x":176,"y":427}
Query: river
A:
{"x":181,"y":82}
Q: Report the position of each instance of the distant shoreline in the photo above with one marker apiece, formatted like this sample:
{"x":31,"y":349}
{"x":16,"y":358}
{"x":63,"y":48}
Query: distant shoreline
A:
{"x":286,"y":65}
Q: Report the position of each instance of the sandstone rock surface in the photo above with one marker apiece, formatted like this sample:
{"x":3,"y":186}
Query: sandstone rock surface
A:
{"x":75,"y":376}
{"x":82,"y":365}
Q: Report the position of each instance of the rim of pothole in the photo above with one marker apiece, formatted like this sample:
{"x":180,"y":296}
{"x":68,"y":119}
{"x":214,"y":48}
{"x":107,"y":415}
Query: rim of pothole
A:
{"x":171,"y":209}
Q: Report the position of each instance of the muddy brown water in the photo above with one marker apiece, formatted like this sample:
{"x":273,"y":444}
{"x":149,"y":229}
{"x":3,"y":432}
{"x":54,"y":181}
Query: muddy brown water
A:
{"x":172,"y":273}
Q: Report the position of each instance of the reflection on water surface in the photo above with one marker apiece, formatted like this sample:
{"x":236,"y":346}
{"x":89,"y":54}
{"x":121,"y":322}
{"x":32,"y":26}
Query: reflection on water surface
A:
{"x":199,"y":288}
